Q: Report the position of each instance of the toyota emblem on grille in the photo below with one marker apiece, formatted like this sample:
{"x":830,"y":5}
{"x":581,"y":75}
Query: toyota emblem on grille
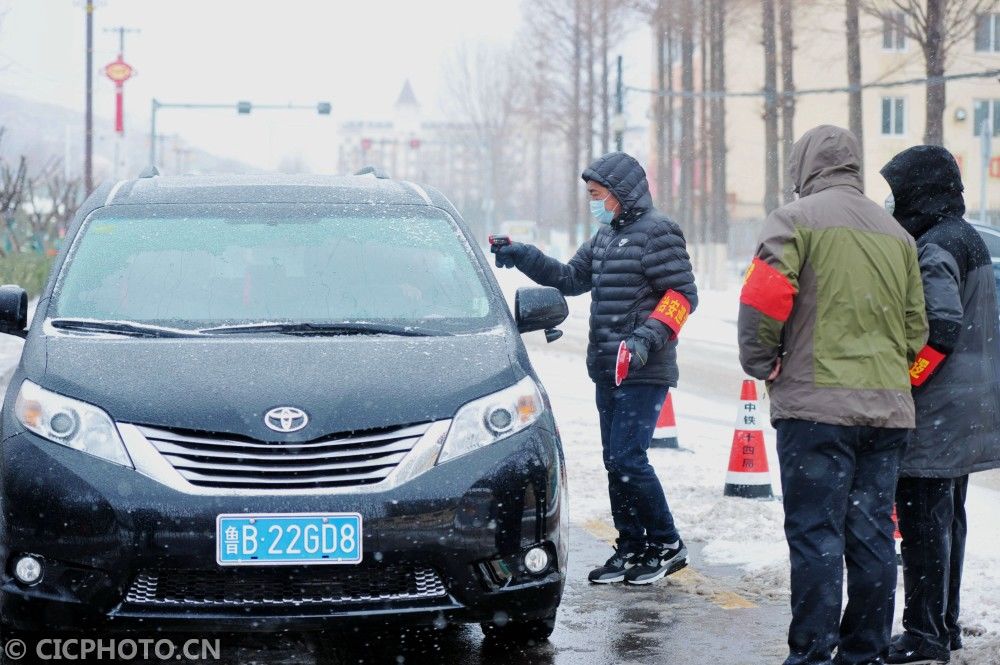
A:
{"x":286,"y":419}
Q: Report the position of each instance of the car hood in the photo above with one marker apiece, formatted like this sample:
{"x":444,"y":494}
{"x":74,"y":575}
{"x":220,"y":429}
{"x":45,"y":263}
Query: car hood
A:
{"x":227,"y":384}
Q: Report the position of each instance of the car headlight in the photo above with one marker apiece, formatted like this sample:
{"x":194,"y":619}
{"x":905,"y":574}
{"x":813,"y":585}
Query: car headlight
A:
{"x":491,"y":418}
{"x":72,"y":423}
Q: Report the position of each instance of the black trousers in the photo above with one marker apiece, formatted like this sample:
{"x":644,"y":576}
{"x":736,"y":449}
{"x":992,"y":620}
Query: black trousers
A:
{"x":838,"y":484}
{"x":933,"y":524}
{"x":638,"y":504}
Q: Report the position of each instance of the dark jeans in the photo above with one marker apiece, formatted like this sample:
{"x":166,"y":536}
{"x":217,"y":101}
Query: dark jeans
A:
{"x":933,"y":523}
{"x":838,"y":484}
{"x":638,"y":505}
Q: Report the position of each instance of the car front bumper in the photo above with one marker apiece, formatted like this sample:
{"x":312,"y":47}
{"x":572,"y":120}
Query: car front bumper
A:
{"x":122,"y":550}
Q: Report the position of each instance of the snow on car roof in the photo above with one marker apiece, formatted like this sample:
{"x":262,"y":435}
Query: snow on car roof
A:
{"x":275,"y":188}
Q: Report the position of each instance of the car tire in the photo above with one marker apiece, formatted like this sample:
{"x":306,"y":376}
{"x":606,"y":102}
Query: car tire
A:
{"x":519,"y":632}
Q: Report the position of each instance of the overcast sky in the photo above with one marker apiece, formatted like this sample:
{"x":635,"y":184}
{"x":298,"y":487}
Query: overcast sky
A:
{"x":354,"y":53}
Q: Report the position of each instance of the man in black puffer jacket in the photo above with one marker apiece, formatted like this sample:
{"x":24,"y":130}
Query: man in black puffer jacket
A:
{"x":956,"y":390}
{"x":637,"y":270}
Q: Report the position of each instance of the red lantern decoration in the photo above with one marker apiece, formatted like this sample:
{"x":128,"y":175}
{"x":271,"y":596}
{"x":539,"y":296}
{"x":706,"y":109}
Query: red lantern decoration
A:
{"x":119,"y":71}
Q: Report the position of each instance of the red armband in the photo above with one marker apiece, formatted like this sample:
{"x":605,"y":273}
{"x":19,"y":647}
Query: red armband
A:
{"x":768,"y":291}
{"x":672,"y":311}
{"x":926,"y":363}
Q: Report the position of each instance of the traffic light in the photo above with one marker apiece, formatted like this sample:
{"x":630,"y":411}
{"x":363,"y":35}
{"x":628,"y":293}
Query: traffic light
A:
{"x":243,"y":108}
{"x":323,"y":108}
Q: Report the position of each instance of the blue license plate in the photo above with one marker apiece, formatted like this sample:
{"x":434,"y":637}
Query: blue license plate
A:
{"x":288,"y":539}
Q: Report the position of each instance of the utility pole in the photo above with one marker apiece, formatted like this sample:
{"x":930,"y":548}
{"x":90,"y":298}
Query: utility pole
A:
{"x":121,"y":30}
{"x":88,"y":142}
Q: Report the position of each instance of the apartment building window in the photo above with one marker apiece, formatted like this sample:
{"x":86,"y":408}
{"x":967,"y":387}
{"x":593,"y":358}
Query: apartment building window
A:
{"x":894,"y":32}
{"x":893,"y":116}
{"x":988,"y":33}
{"x":988,"y":111}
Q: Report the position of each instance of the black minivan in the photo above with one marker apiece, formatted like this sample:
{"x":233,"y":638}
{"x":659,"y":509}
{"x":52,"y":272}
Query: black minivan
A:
{"x":252,"y":403}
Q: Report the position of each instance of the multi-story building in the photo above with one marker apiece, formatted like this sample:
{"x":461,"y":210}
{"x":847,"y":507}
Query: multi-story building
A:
{"x":410,"y":147}
{"x":894,"y":117}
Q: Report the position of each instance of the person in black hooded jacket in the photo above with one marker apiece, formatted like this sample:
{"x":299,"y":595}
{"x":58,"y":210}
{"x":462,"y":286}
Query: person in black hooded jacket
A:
{"x":638,"y":273}
{"x":956,"y":389}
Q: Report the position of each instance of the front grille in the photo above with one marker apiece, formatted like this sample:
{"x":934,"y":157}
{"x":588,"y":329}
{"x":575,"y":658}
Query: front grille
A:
{"x":227,"y":461}
{"x":273,"y":587}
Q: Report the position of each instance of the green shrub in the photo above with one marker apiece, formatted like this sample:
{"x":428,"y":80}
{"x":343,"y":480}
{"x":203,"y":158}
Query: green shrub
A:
{"x":29,"y":271}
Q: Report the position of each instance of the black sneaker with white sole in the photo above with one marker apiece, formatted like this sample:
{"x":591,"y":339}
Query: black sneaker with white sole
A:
{"x":657,"y":562}
{"x":908,"y":650}
{"x":615,"y":568}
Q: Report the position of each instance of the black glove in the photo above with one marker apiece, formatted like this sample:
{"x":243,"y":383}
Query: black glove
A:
{"x":509,"y":255}
{"x":639,"y":348}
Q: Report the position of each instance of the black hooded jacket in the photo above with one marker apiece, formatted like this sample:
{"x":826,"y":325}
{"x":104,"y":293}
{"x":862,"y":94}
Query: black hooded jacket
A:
{"x":627,"y":267}
{"x":958,"y":408}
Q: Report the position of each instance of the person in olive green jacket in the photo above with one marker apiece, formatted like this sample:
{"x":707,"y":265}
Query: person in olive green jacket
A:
{"x":832,"y":314}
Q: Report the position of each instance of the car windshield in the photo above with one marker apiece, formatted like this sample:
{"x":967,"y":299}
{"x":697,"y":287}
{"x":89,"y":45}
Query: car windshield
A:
{"x":233,"y":265}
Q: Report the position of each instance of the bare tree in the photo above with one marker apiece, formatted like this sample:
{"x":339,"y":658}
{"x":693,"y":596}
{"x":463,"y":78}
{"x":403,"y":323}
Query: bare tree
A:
{"x":555,"y":36}
{"x":787,"y":23}
{"x":663,"y":186}
{"x":719,"y":232}
{"x":591,"y":83}
{"x":937,"y":26}
{"x":687,"y":145}
{"x":855,"y":100}
{"x":613,"y":15}
{"x":670,"y":117}
{"x":605,"y":89}
{"x":771,"y":180}
{"x":12,"y":178}
{"x":575,"y":133}
{"x":703,"y":135}
{"x":485,"y":94}
{"x":51,"y":200}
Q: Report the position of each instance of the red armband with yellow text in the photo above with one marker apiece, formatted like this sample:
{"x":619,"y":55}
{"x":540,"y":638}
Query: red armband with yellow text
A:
{"x":768,"y":291}
{"x":672,"y":311}
{"x":927,"y":361}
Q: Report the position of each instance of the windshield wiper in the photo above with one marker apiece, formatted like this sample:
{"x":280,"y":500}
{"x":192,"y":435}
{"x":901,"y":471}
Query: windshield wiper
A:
{"x":126,"y":328}
{"x":345,"y":328}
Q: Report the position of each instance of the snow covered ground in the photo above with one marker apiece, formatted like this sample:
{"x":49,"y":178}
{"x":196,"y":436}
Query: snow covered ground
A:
{"x":743,"y":533}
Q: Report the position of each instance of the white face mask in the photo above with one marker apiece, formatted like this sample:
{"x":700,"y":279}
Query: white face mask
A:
{"x":890,"y":204}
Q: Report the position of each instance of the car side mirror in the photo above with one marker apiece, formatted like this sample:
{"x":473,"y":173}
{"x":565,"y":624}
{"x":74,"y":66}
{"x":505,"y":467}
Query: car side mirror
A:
{"x":13,"y":310}
{"x":540,"y":308}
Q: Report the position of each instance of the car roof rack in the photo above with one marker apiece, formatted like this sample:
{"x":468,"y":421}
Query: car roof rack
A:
{"x":375,"y":171}
{"x":149,"y":172}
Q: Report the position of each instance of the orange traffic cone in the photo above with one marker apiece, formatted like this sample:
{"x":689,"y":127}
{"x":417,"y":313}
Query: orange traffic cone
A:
{"x":665,"y":434}
{"x":748,"y":475}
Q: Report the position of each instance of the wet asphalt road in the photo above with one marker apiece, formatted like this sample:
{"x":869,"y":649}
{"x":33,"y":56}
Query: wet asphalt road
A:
{"x":694,"y":617}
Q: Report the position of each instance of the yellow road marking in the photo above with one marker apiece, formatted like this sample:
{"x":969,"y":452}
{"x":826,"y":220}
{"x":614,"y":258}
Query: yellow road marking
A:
{"x":688,"y":579}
